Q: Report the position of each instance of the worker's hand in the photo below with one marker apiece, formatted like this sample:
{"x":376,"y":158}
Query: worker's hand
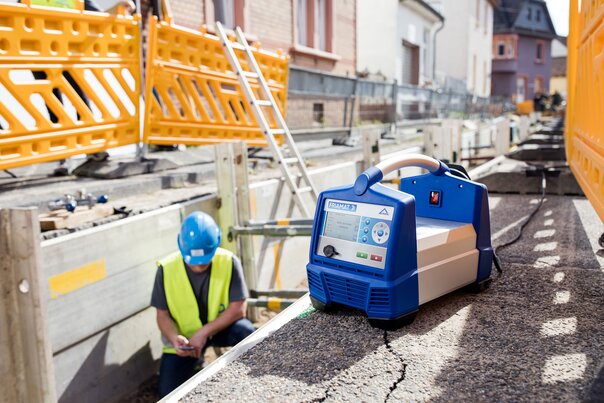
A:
{"x":199,"y":340}
{"x":179,"y":342}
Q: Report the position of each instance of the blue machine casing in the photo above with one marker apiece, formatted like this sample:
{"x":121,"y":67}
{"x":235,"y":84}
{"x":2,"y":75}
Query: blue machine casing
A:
{"x":393,"y":292}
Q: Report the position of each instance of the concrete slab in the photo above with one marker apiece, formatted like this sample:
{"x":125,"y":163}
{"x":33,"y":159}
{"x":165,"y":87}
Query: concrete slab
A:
{"x":535,"y":335}
{"x":509,"y":176}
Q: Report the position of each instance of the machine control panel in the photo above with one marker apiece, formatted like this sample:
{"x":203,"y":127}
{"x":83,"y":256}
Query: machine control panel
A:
{"x":355,"y":232}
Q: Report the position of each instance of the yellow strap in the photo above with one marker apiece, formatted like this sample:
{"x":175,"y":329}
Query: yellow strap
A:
{"x":274,"y":304}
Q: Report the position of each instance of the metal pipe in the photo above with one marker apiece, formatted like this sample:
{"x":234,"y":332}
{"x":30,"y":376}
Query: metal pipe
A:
{"x":272,"y":304}
{"x":278,"y":293}
{"x":273,"y":230}
{"x":442,"y":25}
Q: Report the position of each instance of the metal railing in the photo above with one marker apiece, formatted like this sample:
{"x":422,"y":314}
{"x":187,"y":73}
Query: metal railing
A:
{"x":343,"y":102}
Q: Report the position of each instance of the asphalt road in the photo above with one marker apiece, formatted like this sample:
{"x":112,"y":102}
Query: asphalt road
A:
{"x":535,"y":335}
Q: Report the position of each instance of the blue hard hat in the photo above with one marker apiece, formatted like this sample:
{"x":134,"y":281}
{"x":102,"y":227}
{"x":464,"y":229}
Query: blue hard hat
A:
{"x":199,"y":238}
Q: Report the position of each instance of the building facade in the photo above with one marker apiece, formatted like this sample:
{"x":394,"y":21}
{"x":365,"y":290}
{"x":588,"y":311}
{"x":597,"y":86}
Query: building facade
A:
{"x":318,"y":35}
{"x":522,"y":62}
{"x":396,"y":40}
{"x":463,"y":45}
{"x":557,"y":82}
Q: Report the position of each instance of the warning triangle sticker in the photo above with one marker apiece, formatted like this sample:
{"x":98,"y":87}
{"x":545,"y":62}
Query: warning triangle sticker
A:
{"x":384,"y":212}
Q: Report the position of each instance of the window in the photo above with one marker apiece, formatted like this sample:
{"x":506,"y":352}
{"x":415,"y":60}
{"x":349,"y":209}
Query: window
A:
{"x":501,"y":48}
{"x":425,"y":55}
{"x":510,"y":48}
{"x":504,"y":46}
{"x":318,"y":113}
{"x":530,"y":14}
{"x":484,"y":78}
{"x":229,"y":12}
{"x":302,"y":23}
{"x":520,"y":89}
{"x":410,"y":63}
{"x":313,"y":24}
{"x":539,"y":84}
{"x":538,"y":15}
{"x":321,"y":24}
{"x":486,"y":17}
{"x":539,"y":55}
{"x":473,"y":72}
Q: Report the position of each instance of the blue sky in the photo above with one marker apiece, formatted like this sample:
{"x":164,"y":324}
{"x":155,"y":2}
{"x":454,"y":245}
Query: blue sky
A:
{"x":558,"y":10}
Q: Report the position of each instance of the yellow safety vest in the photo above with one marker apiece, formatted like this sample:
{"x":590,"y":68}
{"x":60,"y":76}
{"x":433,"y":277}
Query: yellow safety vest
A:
{"x":55,"y":3}
{"x":181,"y":299}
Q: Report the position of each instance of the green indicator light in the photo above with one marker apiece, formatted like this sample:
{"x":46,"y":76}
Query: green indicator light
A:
{"x":362,"y":255}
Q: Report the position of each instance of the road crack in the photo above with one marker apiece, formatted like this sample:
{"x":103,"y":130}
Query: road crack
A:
{"x":403,"y":369}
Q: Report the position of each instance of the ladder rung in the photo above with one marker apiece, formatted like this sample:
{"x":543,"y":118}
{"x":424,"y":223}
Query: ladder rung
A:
{"x":277,"y":131}
{"x":263,"y":102}
{"x":236,"y":45}
{"x":304,"y":189}
{"x":290,"y":160}
{"x":250,"y":74}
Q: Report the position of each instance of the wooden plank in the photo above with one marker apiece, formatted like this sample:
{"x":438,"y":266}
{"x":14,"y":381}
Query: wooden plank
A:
{"x":60,"y":219}
{"x":23,"y":305}
{"x":130,"y":249}
{"x":225,"y":178}
{"x":244,"y":214}
{"x":129,"y":269}
{"x":99,"y":305}
{"x":371,"y":149}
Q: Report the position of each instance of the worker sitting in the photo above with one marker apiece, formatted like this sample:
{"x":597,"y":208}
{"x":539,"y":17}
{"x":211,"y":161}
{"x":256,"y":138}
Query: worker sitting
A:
{"x":199,"y":294}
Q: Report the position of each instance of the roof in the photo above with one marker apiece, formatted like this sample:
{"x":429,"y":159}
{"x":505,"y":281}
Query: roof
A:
{"x":514,"y":16}
{"x":559,"y":66}
{"x":427,"y":7}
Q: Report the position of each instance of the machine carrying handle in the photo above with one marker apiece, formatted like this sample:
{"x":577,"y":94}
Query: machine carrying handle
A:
{"x":375,"y":174}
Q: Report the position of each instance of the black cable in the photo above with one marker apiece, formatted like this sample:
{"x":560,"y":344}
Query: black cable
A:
{"x":524,"y":224}
{"x":459,"y":173}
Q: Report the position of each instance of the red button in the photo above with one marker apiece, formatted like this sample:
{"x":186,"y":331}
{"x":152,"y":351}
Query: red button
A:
{"x":376,"y":258}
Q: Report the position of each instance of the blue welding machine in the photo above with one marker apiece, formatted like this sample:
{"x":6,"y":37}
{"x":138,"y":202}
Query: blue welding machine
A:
{"x":386,"y":251}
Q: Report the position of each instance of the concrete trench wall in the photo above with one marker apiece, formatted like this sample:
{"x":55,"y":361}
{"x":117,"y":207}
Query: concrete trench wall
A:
{"x":103,"y":334}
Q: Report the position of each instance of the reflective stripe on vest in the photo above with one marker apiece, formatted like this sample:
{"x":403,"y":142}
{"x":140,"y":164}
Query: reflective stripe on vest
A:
{"x":55,"y":3}
{"x":180,"y":297}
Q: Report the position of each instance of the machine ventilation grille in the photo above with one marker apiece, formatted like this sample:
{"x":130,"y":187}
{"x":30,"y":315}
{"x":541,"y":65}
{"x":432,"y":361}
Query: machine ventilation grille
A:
{"x":326,"y":262}
{"x":379,"y":300}
{"x":346,"y":291}
{"x":315,"y":285}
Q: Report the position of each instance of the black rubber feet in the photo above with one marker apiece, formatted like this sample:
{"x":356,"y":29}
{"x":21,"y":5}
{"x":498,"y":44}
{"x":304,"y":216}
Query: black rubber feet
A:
{"x":393,"y":324}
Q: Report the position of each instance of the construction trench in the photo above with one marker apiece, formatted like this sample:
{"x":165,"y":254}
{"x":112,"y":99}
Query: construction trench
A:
{"x":534,"y":335}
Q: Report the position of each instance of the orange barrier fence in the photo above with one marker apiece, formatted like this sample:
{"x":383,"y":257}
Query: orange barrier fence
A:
{"x":584,"y":132}
{"x":193,"y":97}
{"x":69,"y":82}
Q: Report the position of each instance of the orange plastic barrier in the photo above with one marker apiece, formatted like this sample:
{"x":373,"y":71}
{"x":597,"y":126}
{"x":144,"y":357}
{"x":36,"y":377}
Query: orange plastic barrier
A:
{"x":525,"y":108}
{"x":69,"y":82}
{"x":193,"y":97}
{"x":584,"y":132}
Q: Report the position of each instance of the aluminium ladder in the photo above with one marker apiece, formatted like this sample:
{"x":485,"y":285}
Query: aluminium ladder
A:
{"x":289,"y":159}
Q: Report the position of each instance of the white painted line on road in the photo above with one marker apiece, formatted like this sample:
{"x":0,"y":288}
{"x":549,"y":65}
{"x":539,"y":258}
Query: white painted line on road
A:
{"x":561,"y":297}
{"x":558,"y":277}
{"x":545,"y":247}
{"x":564,"y":368}
{"x":544,"y":233}
{"x":559,"y":327}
